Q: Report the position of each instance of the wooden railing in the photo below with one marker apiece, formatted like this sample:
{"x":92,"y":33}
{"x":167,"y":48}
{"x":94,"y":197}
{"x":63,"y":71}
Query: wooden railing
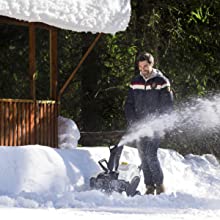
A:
{"x":24,"y":122}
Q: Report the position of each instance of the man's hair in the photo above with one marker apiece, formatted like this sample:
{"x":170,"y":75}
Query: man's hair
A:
{"x":145,"y":56}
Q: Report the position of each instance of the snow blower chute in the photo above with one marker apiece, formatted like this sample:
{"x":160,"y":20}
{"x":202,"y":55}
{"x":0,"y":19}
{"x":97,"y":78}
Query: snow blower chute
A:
{"x":108,"y":181}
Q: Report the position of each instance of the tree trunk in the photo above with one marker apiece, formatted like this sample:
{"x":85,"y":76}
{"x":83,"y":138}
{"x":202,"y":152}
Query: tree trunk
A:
{"x":90,"y":115}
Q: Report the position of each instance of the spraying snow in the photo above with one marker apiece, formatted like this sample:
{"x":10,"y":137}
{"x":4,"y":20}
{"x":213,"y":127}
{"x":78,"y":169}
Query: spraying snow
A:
{"x":200,"y":116}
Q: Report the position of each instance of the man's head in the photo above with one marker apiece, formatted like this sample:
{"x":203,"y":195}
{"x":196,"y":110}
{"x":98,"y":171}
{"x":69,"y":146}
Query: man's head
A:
{"x":145,"y":62}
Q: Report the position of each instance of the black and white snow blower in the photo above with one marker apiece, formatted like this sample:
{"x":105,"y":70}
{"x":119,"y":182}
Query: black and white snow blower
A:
{"x":108,"y":181}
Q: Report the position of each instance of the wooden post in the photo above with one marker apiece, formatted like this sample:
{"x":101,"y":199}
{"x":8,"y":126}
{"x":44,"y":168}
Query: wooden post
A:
{"x":32,"y":60}
{"x":78,"y":66}
{"x":53,"y":82}
{"x":53,"y":64}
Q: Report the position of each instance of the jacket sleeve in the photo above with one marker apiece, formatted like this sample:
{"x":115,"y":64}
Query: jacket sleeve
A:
{"x":166,"y":100}
{"x":130,"y":108}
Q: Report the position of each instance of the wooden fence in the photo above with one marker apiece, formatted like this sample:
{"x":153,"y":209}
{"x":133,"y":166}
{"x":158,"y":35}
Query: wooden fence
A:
{"x":24,"y":122}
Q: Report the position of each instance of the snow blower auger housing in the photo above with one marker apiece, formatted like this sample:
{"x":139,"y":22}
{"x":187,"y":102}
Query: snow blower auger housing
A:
{"x":108,"y":181}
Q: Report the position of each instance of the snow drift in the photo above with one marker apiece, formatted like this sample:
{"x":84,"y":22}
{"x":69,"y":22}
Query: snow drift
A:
{"x":40,"y":176}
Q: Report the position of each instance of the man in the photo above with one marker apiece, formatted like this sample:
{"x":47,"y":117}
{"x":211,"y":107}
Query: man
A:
{"x":149,"y":94}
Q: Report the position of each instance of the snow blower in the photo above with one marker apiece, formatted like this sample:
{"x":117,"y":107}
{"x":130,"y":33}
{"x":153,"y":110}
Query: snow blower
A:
{"x":108,"y":181}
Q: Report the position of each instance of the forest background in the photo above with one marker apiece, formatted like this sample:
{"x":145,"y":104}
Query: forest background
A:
{"x":183,"y":36}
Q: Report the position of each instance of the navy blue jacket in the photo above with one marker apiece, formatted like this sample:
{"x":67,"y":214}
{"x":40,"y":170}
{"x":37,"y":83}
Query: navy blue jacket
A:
{"x":148,"y":96}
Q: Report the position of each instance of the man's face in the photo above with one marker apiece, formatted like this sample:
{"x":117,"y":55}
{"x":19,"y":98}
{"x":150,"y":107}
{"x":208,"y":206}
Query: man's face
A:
{"x":145,"y":68}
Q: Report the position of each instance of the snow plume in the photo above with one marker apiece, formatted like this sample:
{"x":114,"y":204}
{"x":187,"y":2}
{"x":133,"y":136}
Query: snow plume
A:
{"x":198,"y":117}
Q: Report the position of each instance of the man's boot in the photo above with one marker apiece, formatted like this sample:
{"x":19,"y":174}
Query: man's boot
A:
{"x":160,"y":189}
{"x":150,"y":190}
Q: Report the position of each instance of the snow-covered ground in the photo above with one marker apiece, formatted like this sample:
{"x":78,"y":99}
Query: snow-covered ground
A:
{"x":44,"y":182}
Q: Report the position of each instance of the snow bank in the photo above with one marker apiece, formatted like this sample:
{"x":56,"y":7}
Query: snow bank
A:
{"x":39,"y":176}
{"x":68,"y":133}
{"x":107,"y":16}
{"x":40,"y":169}
{"x":36,"y":169}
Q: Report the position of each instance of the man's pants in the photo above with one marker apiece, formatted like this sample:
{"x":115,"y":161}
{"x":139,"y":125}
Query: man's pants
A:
{"x":147,"y":148}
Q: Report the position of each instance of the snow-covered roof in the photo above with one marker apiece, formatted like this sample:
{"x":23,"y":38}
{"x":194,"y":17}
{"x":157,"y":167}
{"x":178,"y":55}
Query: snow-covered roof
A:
{"x":106,"y":16}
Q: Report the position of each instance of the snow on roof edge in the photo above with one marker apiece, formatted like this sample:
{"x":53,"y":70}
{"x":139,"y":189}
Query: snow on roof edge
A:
{"x":110,"y":16}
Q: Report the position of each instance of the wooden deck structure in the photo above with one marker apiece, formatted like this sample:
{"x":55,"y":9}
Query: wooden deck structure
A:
{"x":33,"y":121}
{"x":25,"y":122}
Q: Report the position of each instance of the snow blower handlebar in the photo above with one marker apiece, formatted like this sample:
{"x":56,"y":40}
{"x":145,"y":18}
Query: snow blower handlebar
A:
{"x":104,"y":167}
{"x":113,"y":162}
{"x":115,"y":154}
